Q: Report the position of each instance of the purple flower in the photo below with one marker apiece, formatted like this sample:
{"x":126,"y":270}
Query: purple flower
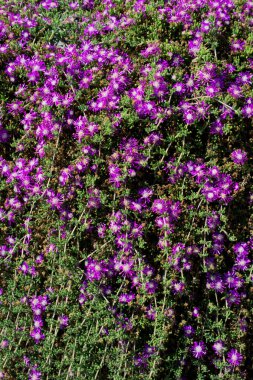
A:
{"x":217,"y":284}
{"x":150,"y":313}
{"x":4,"y":135}
{"x":212,"y":90}
{"x":218,"y":347}
{"x":149,"y":350}
{"x":188,"y":331}
{"x":211,"y":194}
{"x":189,"y":116}
{"x":234,"y":357}
{"x":179,"y":87}
{"x":126,"y":268}
{"x":145,"y":194}
{"x":216,"y":127}
{"x":159,"y":206}
{"x":26,"y":361}
{"x":55,"y":200}
{"x":177,"y":287}
{"x":152,"y":49}
{"x":163,"y":222}
{"x":243,"y":324}
{"x":151,"y":287}
{"x":247,"y":110}
{"x":195,"y":312}
{"x":241,"y":262}
{"x":64,"y":320}
{"x":126,"y":297}
{"x":237,"y":45}
{"x":101,"y":230}
{"x":213,"y":221}
{"x":245,"y":78}
{"x":140,"y":361}
{"x":4,"y":343}
{"x":94,"y":270}
{"x":40,"y":259}
{"x":15,"y":108}
{"x":239,"y":157}
{"x":233,"y":298}
{"x":241,"y":248}
{"x":198,"y":349}
{"x":135,"y":281}
{"x":38,"y":322}
{"x":34,"y":374}
{"x":235,"y":91}
{"x":24,"y":268}
{"x":37,"y":335}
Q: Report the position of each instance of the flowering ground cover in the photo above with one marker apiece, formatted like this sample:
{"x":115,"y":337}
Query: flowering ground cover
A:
{"x":126,"y":189}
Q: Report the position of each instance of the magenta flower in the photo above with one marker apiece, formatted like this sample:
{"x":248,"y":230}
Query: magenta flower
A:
{"x":218,"y":285}
{"x":24,"y":268}
{"x":159,"y":206}
{"x":195,"y":312}
{"x":38,"y":322}
{"x":4,"y":135}
{"x":64,"y":320}
{"x":94,"y":270}
{"x":189,"y":116}
{"x":241,"y":248}
{"x":34,"y":374}
{"x":198,"y":349}
{"x":233,"y":298}
{"x":216,"y":128}
{"x":188,"y":331}
{"x":55,"y":200}
{"x":150,"y":313}
{"x":235,"y":91}
{"x":151,"y":287}
{"x":15,"y":108}
{"x":210,"y":194}
{"x":212,"y":90}
{"x":247,"y":110}
{"x":126,"y":268}
{"x":4,"y":343}
{"x":213,"y":221}
{"x":126,"y":297}
{"x":237,"y":45}
{"x":239,"y":156}
{"x":37,"y":335}
{"x":242,"y":262}
{"x":218,"y":347}
{"x":177,"y":287}
{"x":234,"y":357}
{"x":152,"y":49}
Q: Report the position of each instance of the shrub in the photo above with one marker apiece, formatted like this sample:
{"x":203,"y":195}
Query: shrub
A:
{"x":126,"y":189}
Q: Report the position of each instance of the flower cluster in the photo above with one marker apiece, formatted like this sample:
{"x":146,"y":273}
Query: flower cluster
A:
{"x":38,"y":306}
{"x":126,"y":189}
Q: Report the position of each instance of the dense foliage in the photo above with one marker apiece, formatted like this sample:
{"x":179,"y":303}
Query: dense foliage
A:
{"x":126,"y":189}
